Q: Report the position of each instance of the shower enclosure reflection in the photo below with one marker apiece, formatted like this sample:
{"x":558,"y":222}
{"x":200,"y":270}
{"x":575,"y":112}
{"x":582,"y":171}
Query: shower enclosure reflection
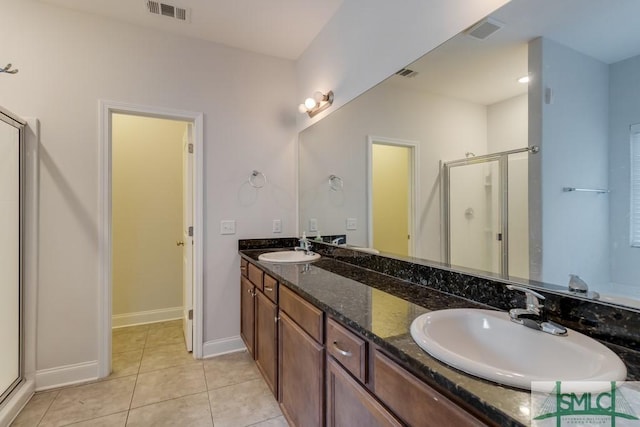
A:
{"x":11,"y":148}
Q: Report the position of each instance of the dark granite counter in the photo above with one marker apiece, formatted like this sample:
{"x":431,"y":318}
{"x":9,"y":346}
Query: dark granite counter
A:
{"x":381,"y":308}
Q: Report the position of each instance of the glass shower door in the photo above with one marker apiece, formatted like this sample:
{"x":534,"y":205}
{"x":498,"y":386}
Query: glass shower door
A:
{"x":474,"y":211}
{"x":10,"y":259}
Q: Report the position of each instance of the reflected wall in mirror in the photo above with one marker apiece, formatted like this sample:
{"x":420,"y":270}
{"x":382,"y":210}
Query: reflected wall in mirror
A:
{"x":461,"y":109}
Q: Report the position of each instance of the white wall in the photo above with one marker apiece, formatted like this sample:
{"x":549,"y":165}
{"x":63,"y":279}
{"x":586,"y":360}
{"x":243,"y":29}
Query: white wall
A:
{"x":68,"y":61}
{"x":146,"y":216}
{"x":574,"y":135}
{"x":367,"y":41}
{"x":445,"y":128}
{"x":624,"y":111}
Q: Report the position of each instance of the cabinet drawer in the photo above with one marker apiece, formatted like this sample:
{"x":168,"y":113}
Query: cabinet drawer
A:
{"x":308,"y":317}
{"x":347,"y":348}
{"x":255,"y":275}
{"x":412,"y":400}
{"x":270,"y":288}
{"x":243,"y":267}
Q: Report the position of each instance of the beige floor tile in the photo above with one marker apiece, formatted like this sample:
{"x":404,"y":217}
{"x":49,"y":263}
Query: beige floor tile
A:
{"x":273,"y":422}
{"x":166,"y":356}
{"x":128,"y":341}
{"x":124,"y":364}
{"x":192,"y":411}
{"x":168,"y":323}
{"x":170,"y":383}
{"x":165,"y":336}
{"x":115,"y":420}
{"x":243,"y":404}
{"x":129,"y":329}
{"x":35,"y":409}
{"x":229,"y":369}
{"x":90,"y":401}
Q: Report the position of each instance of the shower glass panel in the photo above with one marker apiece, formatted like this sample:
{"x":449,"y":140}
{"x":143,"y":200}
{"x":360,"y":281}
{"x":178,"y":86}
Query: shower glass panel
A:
{"x":475,"y":216}
{"x":518,"y":214}
{"x":10,"y":256}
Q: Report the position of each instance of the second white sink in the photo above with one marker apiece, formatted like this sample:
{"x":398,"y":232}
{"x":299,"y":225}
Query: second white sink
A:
{"x":288,"y":256}
{"x":489,"y":345}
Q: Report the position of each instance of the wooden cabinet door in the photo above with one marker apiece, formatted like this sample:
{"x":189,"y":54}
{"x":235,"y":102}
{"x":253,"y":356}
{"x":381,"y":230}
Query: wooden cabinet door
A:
{"x":350,"y":404}
{"x":301,"y":379}
{"x":413,"y":401}
{"x":265,"y":339}
{"x":247,"y":313}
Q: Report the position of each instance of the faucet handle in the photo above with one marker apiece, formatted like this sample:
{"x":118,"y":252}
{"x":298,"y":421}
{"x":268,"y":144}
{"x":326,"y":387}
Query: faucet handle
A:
{"x":533,"y":298}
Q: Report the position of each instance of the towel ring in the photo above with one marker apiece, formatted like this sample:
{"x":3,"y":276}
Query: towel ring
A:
{"x":252,"y":179}
{"x":335,"y":183}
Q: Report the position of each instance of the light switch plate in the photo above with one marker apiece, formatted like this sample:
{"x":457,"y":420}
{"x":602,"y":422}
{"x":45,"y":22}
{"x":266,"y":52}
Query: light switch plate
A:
{"x":352,"y":223}
{"x":277,"y":226}
{"x":313,"y":224}
{"x":228,"y":226}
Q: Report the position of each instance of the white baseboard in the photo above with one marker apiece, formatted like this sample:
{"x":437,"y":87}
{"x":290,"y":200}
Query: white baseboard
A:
{"x":66,"y":375}
{"x":142,"y":317}
{"x":222,"y":346}
{"x":16,"y":402}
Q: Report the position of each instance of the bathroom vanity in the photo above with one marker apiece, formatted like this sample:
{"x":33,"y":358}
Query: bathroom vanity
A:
{"x":332,"y":340}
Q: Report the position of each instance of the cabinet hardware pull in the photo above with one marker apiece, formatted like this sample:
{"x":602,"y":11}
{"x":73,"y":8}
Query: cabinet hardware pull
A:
{"x":275,"y":319}
{"x":243,"y":268}
{"x":268,"y":288}
{"x":341,"y":351}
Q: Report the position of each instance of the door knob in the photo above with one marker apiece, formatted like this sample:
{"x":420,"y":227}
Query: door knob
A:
{"x":180,"y":243}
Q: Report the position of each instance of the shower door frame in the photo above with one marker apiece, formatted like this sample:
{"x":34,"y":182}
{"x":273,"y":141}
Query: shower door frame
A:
{"x":19,"y":124}
{"x":503,"y":173}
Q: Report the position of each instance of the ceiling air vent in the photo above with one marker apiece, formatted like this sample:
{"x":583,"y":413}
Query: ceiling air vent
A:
{"x":405,"y":72}
{"x":168,"y":10}
{"x":484,"y":28}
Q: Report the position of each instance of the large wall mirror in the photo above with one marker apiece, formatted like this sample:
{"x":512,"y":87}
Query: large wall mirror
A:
{"x":458,"y":159}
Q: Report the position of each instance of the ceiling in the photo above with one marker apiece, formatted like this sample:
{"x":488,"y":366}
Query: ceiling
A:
{"x":486,"y":71}
{"x":280,"y":28}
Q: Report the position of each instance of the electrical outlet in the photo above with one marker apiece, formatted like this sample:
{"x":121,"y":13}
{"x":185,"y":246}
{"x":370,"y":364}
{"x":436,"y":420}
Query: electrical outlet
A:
{"x":313,"y":224}
{"x":277,"y":226}
{"x":228,"y":226}
{"x":352,"y":223}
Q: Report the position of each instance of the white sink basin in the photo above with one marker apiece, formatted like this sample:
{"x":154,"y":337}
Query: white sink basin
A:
{"x":288,"y":256}
{"x":489,"y":345}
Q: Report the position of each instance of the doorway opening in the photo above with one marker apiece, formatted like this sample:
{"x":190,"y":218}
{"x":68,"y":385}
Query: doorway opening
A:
{"x":392,"y":187}
{"x":151,"y":245}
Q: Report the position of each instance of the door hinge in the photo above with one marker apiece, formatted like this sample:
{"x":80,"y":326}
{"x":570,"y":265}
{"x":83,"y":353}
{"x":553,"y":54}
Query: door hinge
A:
{"x":190,"y":148}
{"x":191,"y":231}
{"x":499,"y":237}
{"x":190,"y":314}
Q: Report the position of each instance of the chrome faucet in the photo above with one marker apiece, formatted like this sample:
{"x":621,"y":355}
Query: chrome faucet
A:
{"x":533,"y":315}
{"x":305,"y":244}
{"x":337,"y":240}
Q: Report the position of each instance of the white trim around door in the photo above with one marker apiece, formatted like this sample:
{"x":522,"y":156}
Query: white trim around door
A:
{"x":106,"y":109}
{"x":415,"y":186}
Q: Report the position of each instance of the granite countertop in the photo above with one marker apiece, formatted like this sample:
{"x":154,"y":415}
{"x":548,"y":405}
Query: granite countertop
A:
{"x":382,"y":308}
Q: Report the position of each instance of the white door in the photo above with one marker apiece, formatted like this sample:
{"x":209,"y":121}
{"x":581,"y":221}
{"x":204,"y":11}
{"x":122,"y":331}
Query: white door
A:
{"x":187,"y":224}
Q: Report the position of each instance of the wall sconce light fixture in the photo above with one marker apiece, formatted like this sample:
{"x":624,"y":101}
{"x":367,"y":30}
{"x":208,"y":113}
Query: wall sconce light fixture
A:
{"x":318,"y":103}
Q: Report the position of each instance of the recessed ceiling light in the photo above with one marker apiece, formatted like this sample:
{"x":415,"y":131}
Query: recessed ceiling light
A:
{"x":524,"y":79}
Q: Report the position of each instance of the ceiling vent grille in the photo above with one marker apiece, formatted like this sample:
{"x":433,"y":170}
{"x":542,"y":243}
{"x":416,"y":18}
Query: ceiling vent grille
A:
{"x":484,"y":28}
{"x":405,"y":72}
{"x":168,"y":10}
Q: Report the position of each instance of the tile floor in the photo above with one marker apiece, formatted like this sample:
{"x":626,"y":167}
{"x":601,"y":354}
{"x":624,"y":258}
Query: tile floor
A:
{"x":156,"y":382}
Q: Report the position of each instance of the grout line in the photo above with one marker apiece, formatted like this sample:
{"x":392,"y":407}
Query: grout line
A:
{"x":206,"y":384}
{"x":48,"y":407}
{"x":168,"y":400}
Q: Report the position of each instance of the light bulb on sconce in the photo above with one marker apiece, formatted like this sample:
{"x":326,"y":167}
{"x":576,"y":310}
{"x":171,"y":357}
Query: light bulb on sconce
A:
{"x":318,"y":103}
